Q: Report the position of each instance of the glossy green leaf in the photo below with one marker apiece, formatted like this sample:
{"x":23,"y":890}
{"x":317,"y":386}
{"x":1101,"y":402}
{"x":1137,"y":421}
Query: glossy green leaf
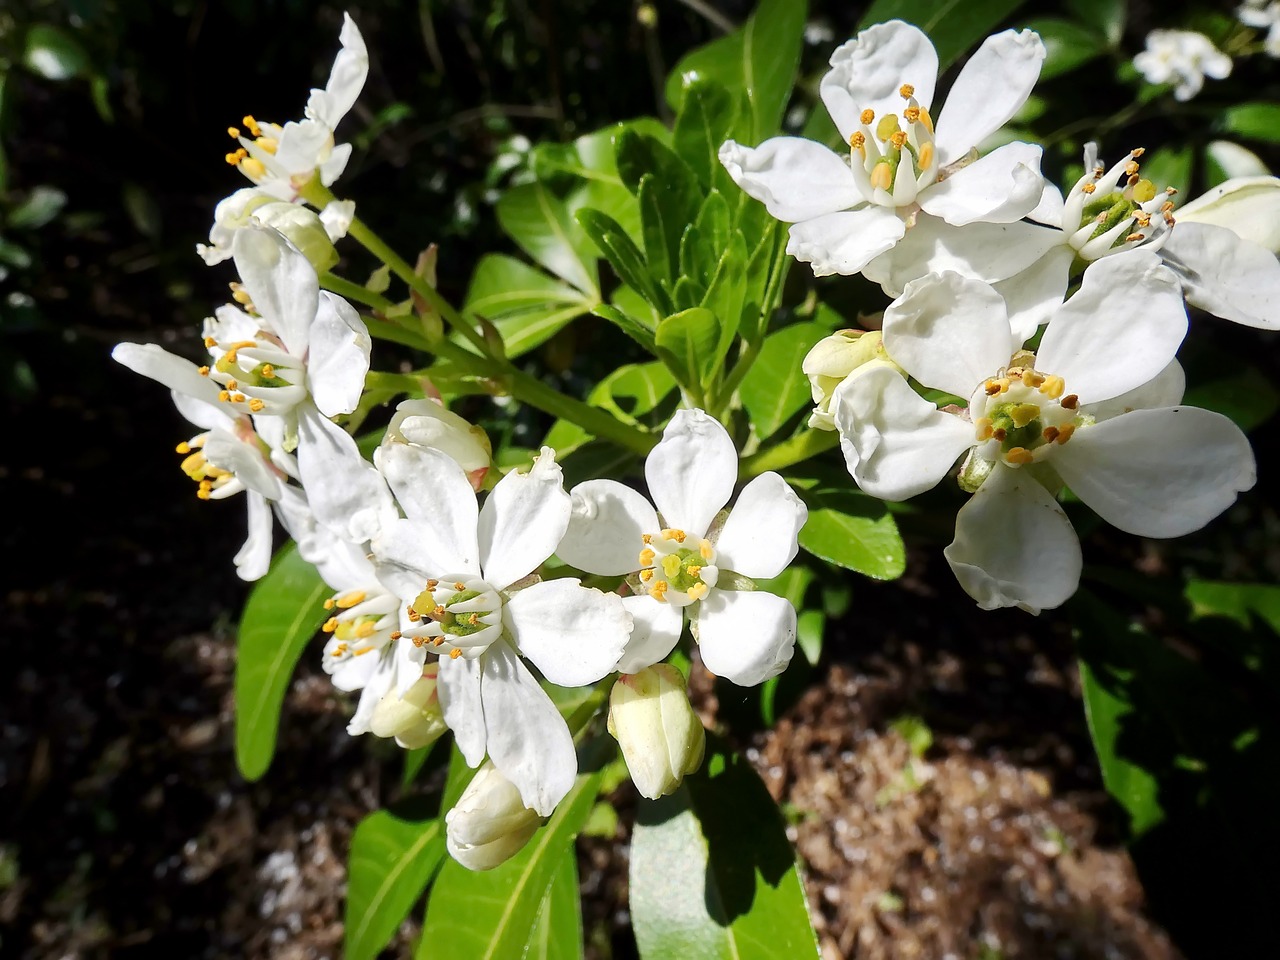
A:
{"x":726,"y":293}
{"x":1169,"y":167}
{"x":284,"y":611}
{"x":541,"y":224}
{"x":492,"y":915}
{"x":686,"y":342}
{"x":53,"y":53}
{"x":1105,"y":16}
{"x":954,"y":26}
{"x":627,"y":324}
{"x":853,"y":531}
{"x":775,"y":388}
{"x":1255,"y":121}
{"x":525,"y":305}
{"x":39,"y":207}
{"x":713,"y":876}
{"x":623,"y":256}
{"x":1239,"y":601}
{"x":390,"y":864}
{"x":1247,"y":397}
{"x":634,"y":390}
{"x":705,"y":122}
{"x":557,"y":934}
{"x":1067,"y":45}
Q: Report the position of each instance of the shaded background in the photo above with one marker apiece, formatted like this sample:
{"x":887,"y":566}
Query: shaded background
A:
{"x":124,"y":827}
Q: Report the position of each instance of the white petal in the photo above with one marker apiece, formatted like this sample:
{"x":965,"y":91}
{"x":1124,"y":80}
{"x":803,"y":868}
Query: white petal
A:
{"x":302,"y":144}
{"x":746,"y":636}
{"x":982,"y":251}
{"x":339,"y":356}
{"x":606,"y":527}
{"x":991,"y":88}
{"x":377,"y":686}
{"x":574,"y":634}
{"x":404,"y":558}
{"x":656,"y":630}
{"x":1120,"y":329}
{"x":332,"y":166}
{"x":1001,"y":187}
{"x":280,"y":281}
{"x":336,"y":217}
{"x":345,"y":491}
{"x":458,"y":685}
{"x":896,"y":444}
{"x":1014,"y":546}
{"x":176,"y":373}
{"x":433,"y":491}
{"x":691,"y":472}
{"x":1165,"y":389}
{"x":948,"y":332}
{"x":346,"y":79}
{"x":226,"y":450}
{"x":795,"y":179}
{"x":253,"y":559}
{"x":1158,"y":473}
{"x":1227,"y":276}
{"x":1248,"y":206}
{"x":1033,"y":296}
{"x":523,"y":521}
{"x":206,"y":415}
{"x":759,"y":537}
{"x":1049,"y":210}
{"x":528,"y":740}
{"x":845,"y":242}
{"x":868,"y":71}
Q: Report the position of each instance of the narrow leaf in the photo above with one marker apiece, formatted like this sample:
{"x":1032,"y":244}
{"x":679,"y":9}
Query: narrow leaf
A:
{"x":686,"y":342}
{"x":391,"y":862}
{"x":776,"y":388}
{"x":623,"y":256}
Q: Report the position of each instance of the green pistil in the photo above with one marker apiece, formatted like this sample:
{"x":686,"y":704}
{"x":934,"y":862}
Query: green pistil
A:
{"x":253,"y":378}
{"x":675,"y":568}
{"x":1026,"y":436}
{"x":1118,"y":212}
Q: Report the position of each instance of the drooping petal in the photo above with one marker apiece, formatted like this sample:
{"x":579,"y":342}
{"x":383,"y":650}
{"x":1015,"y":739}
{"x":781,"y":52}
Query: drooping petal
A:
{"x":869,"y":70}
{"x":758,"y":539}
{"x":346,"y":79}
{"x":523,"y":521}
{"x":1033,"y":296}
{"x":433,"y":491}
{"x":1225,"y":275}
{"x":339,"y":356}
{"x":896,"y":444}
{"x":1165,"y":389}
{"x":656,"y":630}
{"x":458,"y":685}
{"x":691,"y":472}
{"x":1120,"y":329}
{"x":378,"y":685}
{"x":176,"y":373}
{"x":796,"y":179}
{"x":746,"y":636}
{"x":1248,"y":206}
{"x":1158,"y":473}
{"x":605,"y":529}
{"x":948,"y":332}
{"x":1001,"y":187}
{"x":209,"y":416}
{"x":981,"y":251}
{"x":229,"y":452}
{"x":845,"y":242}
{"x":574,"y":634}
{"x":280,"y":281}
{"x":1014,"y":546}
{"x":301,"y":145}
{"x":991,"y":88}
{"x":346,"y":493}
{"x":331,"y":167}
{"x":526,"y":736}
{"x":253,"y":559}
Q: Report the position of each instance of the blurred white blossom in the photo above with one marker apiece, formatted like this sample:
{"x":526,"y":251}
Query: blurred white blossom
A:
{"x":1182,"y":58}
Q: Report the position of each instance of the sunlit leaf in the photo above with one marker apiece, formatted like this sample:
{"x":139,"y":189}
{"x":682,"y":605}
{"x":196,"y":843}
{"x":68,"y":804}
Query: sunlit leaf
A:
{"x":775,"y":388}
{"x":390,"y":864}
{"x":542,"y":226}
{"x":853,"y":531}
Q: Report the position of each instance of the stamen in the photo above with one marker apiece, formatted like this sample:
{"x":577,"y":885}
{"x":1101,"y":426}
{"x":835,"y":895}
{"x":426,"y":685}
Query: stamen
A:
{"x":329,"y":604}
{"x":857,"y":140}
{"x":898,"y":139}
{"x":646,"y":575}
{"x":396,"y":635}
{"x":673,"y":534}
{"x":1019,"y":455}
{"x":256,"y":405}
{"x":183,"y":448}
{"x":1064,"y":434}
{"x":455,"y":653}
{"x":231,"y":385}
{"x":330,"y":625}
{"x":926,"y":119}
{"x":646,"y":557}
{"x":233,"y":132}
{"x":999,"y":434}
{"x":1071,"y":401}
{"x":1053,"y":387}
{"x":459,"y":585}
{"x":991,"y":387}
{"x":210,"y":342}
{"x":432,"y":584}
{"x":659,"y":591}
{"x":254,"y":168}
{"x":911,"y":114}
{"x":704,"y":549}
{"x":984,"y":427}
{"x":1089,"y":188}
{"x":867,"y":116}
{"x":698,"y":590}
{"x":268,"y":371}
{"x":1131,"y":168}
{"x":1050,"y":434}
{"x":1135,"y":236}
{"x":1136,"y":152}
{"x":694,"y":572}
{"x":252,"y":124}
{"x":348,"y":600}
{"x":906,"y":90}
{"x":646,"y":537}
{"x":1032,"y":378}
{"x":203,"y":371}
{"x":365,"y":629}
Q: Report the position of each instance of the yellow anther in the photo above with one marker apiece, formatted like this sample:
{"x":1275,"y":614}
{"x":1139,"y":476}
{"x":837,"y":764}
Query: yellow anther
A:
{"x":268,"y":371}
{"x":926,"y":119}
{"x":339,"y":650}
{"x":671,"y":565}
{"x":237,"y":398}
{"x":1134,"y":237}
{"x":330,"y":625}
{"x":204,"y":494}
{"x":704,"y":549}
{"x":438,"y":610}
{"x":881,"y":176}
{"x":1136,"y":152}
{"x":210,"y":342}
{"x":1089,"y":188}
{"x":1166,"y":207}
{"x":1131,"y":167}
{"x":224,"y":396}
{"x":420,"y":641}
{"x":926,"y":156}
{"x":1024,"y":413}
{"x":396,"y":635}
{"x":1032,"y":378}
{"x":329,"y":604}
{"x":233,"y":157}
{"x":1070,"y":401}
{"x":365,"y":629}
{"x":1019,"y":455}
{"x":673,"y":534}
{"x":911,"y":114}
{"x":459,"y":585}
{"x":1064,"y":433}
{"x":256,"y":405}
{"x":455,"y":653}
{"x":906,"y":90}
{"x":232,"y":384}
{"x":646,"y":557}
{"x":1053,"y":387}
{"x":898,"y":139}
{"x":349,"y":599}
{"x":1171,"y":191}
{"x":659,"y":591}
{"x":857,"y":140}
{"x":991,"y":388}
{"x":699,"y":590}
{"x":183,"y":448}
{"x":1133,"y":180}
{"x":694,"y":572}
{"x":646,"y":538}
{"x":361,"y":651}
{"x":252,"y":124}
{"x":867,"y":115}
{"x":253,"y":168}
{"x":413,"y":615}
{"x":1142,"y":220}
{"x":1050,"y":434}
{"x":233,"y":132}
{"x":646,"y":575}
{"x":999,"y":434}
{"x":984,"y":428}
{"x":203,"y":371}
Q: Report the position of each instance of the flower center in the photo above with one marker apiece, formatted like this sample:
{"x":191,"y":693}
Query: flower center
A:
{"x":1116,"y":209}
{"x":892,"y":163}
{"x":362,"y":623}
{"x":673,"y":571}
{"x":462,"y":615}
{"x":214,"y":483}
{"x":267,"y":141}
{"x":1022,"y":414}
{"x":252,"y":373}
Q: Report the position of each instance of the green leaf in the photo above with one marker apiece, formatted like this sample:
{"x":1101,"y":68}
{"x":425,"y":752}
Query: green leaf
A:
{"x":632,"y":327}
{"x":1169,"y":167}
{"x":1105,"y":16}
{"x":794,"y":584}
{"x":713,"y":876}
{"x":390,"y":864}
{"x":41,"y":205}
{"x":633,"y":390}
{"x":492,"y":915}
{"x":53,"y":53}
{"x":1068,"y":45}
{"x":853,"y":531}
{"x":759,"y":59}
{"x":954,"y":26}
{"x":1255,"y":121}
{"x":542,"y":226}
{"x":525,"y":305}
{"x":705,"y":121}
{"x":1238,"y":601}
{"x":686,"y":343}
{"x":776,"y":388}
{"x":726,"y":293}
{"x":623,"y":256}
{"x":1248,"y":397}
{"x":557,"y":935}
{"x":284,"y":611}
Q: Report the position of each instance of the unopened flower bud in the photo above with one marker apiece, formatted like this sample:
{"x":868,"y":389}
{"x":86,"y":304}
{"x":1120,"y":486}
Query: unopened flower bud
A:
{"x":426,"y":423}
{"x":1247,"y":206}
{"x":304,"y":229}
{"x":415,"y":719}
{"x":831,"y":360}
{"x":661,"y":737}
{"x":489,"y":824}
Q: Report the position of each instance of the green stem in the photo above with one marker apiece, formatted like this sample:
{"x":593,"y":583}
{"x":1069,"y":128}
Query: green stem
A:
{"x":724,"y":395}
{"x":797,"y":449}
{"x":530,"y":390}
{"x":382,"y":330}
{"x":354,"y":291}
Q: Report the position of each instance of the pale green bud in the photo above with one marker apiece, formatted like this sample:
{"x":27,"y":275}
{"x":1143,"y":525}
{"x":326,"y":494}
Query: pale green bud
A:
{"x":426,"y":423}
{"x":661,"y":737}
{"x":415,"y":719}
{"x":489,"y":824}
{"x":304,"y":230}
{"x":1247,"y":206}
{"x":831,"y":360}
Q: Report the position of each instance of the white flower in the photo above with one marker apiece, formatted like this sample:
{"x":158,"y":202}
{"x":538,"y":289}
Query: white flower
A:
{"x":281,"y":159}
{"x":414,"y":718}
{"x":490,"y":823}
{"x":832,"y":359}
{"x":687,"y":560}
{"x":1263,"y":15}
{"x":467,"y":568}
{"x":1094,"y":408}
{"x":429,"y":423}
{"x":313,"y":235}
{"x":660,"y":736}
{"x":1183,"y":58}
{"x":846,"y":212}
